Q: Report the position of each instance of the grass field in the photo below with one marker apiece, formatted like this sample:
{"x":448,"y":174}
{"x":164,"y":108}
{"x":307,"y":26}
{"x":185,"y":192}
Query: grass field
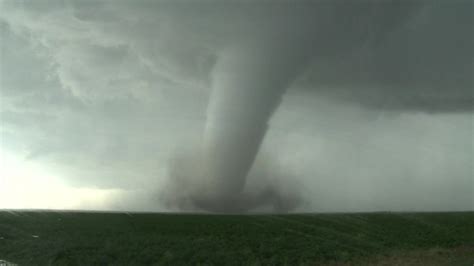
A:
{"x":94,"y":238}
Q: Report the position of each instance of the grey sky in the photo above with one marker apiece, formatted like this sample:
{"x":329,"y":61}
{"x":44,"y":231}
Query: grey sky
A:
{"x":104,"y":94}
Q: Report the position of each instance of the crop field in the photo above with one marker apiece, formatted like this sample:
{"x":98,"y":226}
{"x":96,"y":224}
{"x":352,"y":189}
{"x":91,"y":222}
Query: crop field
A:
{"x":98,"y":238}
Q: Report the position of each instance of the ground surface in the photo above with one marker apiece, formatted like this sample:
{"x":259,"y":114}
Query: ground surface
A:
{"x":73,"y":238}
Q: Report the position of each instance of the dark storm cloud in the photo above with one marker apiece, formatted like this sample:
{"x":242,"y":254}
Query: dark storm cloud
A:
{"x":135,"y":77}
{"x":423,"y":64}
{"x":413,"y":55}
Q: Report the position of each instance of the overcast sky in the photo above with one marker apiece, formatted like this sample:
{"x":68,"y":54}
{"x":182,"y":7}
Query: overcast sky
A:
{"x":98,"y":96}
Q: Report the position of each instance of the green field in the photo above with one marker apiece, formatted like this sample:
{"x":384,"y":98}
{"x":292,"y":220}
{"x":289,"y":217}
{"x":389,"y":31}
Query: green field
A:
{"x":94,"y":238}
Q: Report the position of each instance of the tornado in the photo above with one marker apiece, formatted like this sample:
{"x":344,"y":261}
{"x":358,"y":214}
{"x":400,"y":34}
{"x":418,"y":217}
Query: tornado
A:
{"x":251,"y":74}
{"x":248,"y":82}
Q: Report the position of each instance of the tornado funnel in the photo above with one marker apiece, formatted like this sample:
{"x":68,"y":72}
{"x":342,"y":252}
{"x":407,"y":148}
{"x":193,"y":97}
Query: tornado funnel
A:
{"x":247,"y":85}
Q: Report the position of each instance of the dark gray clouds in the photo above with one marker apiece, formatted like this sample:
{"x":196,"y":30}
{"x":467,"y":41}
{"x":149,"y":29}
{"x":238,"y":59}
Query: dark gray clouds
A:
{"x":108,"y":92}
{"x":424,"y":64}
{"x":410,"y":54}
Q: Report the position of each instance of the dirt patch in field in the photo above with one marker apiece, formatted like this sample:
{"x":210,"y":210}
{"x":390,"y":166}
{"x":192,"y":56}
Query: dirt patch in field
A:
{"x":460,"y":256}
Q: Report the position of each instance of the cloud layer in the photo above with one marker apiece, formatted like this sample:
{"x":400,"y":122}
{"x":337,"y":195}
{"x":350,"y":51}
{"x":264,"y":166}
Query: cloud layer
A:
{"x":107,"y":92}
